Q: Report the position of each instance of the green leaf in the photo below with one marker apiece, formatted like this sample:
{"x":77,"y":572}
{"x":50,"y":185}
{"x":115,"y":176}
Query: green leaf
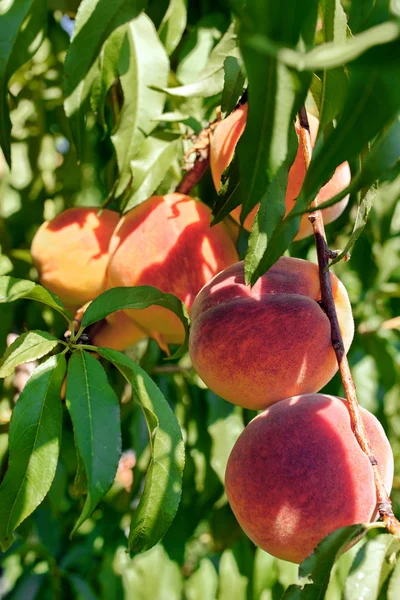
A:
{"x":372,"y":103}
{"x":21,"y":33}
{"x":318,"y":565}
{"x":211,"y":79}
{"x":329,"y":55}
{"x":12,"y":289}
{"x":149,"y":167}
{"x":275,"y":94}
{"x":232,"y":584}
{"x":203,"y":583}
{"x":81,"y":587}
{"x":28,"y":346}
{"x":334,"y":81}
{"x":94,"y":411}
{"x":271,"y":211}
{"x":141,"y":296}
{"x":394,"y":583}
{"x":234,"y":82}
{"x":224,"y":433}
{"x":35,"y":438}
{"x":371,"y":567}
{"x":363,"y":211}
{"x":173,"y":25}
{"x":163,"y":486}
{"x":143,"y":63}
{"x":105,"y":73}
{"x":95,"y":21}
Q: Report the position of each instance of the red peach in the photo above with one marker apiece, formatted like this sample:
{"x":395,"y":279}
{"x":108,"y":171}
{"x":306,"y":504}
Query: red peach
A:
{"x":167,"y":242}
{"x":273,"y":337}
{"x":297,"y":473}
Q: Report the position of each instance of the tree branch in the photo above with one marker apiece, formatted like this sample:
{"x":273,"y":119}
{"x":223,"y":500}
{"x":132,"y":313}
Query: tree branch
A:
{"x":196,"y":169}
{"x":328,"y":305}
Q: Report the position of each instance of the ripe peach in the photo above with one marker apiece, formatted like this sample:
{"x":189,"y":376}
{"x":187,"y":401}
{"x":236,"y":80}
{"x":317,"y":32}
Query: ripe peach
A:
{"x":297,"y":473}
{"x":70,"y":253}
{"x":167,"y":242}
{"x":118,"y":332}
{"x":223,"y":144}
{"x":274,"y":337}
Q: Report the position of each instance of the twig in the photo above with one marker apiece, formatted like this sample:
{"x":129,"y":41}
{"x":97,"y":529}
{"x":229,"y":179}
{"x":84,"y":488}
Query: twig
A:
{"x":328,"y":305}
{"x":196,"y":169}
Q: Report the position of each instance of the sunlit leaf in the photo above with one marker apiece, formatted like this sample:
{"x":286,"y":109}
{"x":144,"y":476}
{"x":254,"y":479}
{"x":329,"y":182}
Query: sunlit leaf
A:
{"x":143,"y":63}
{"x":163,"y":486}
{"x":29,"y":346}
{"x":35,"y":438}
{"x":94,"y":411}
{"x":12,"y":289}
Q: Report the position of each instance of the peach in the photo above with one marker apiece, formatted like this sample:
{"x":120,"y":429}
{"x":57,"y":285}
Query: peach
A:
{"x":118,"y":331}
{"x":223,"y":144}
{"x":297,"y":473}
{"x":167,"y":242}
{"x":274,"y":337}
{"x":70,"y":253}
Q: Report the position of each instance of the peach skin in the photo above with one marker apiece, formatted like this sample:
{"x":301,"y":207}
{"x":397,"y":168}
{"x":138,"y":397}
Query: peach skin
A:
{"x":70,"y":253}
{"x":297,"y":473}
{"x":274,"y":337}
{"x":225,"y":137}
{"x":167,"y":242}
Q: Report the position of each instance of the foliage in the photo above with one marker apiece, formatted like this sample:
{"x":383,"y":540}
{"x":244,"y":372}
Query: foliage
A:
{"x":103,"y":116}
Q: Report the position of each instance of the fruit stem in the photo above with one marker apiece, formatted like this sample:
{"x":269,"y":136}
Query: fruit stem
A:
{"x":195,"y":170}
{"x":384,"y":504}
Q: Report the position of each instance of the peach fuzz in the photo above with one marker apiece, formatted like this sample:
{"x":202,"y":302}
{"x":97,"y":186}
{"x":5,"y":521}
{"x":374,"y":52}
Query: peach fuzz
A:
{"x":273,"y":338}
{"x":297,"y":473}
{"x":225,"y":137}
{"x":167,"y":242}
{"x":70,"y":253}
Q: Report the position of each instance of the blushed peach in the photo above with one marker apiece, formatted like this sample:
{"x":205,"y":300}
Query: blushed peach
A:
{"x":70,"y":253}
{"x":297,"y":473}
{"x":167,"y":242}
{"x":225,"y":137}
{"x":274,"y":337}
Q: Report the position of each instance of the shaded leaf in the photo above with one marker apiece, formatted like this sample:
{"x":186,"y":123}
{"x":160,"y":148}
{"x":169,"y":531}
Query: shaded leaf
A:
{"x":142,"y":63}
{"x":173,"y":25}
{"x":149,"y":167}
{"x":27,"y":347}
{"x":371,"y":567}
{"x":163,"y":486}
{"x":372,"y":103}
{"x":329,"y":55}
{"x":234,"y":81}
{"x":81,"y":587}
{"x":34,"y":442}
{"x":105,"y":73}
{"x":139,"y":297}
{"x":95,"y":21}
{"x":21,"y":33}
{"x":94,"y":411}
{"x":211,"y":79}
{"x":12,"y":289}
{"x":318,"y":565}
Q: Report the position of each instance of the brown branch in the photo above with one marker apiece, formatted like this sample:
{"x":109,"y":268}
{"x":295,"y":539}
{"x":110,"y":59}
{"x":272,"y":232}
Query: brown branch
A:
{"x":196,"y":169}
{"x":328,"y":305}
